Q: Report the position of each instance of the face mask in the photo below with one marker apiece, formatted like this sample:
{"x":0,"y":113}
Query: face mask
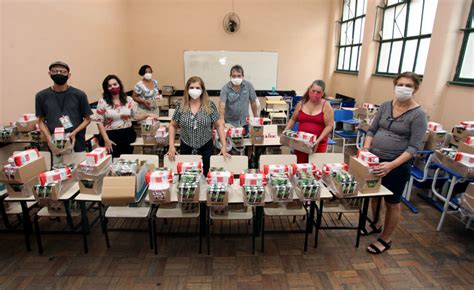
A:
{"x":195,"y":93}
{"x":403,"y":93}
{"x":59,"y":79}
{"x":147,"y":76}
{"x":236,"y":81}
{"x":315,"y":96}
{"x":114,"y":91}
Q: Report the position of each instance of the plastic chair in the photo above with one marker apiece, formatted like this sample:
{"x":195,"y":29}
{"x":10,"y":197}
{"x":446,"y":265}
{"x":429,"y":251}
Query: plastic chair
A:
{"x":344,"y":116}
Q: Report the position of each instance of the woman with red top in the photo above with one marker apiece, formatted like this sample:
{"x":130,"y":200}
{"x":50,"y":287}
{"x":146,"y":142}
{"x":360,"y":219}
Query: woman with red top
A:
{"x":314,"y":115}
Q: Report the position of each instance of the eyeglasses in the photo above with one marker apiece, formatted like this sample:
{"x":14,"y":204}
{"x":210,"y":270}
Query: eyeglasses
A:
{"x":59,"y":71}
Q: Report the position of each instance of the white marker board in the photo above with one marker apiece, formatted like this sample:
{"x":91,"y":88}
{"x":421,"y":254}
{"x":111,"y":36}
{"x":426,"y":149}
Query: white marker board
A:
{"x":260,"y":68}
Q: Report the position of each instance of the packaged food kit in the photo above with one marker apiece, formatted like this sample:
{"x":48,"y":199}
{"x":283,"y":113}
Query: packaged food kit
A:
{"x":125,"y":184}
{"x":301,"y":141}
{"x":367,"y":182}
{"x":26,"y":122}
{"x":160,"y":181}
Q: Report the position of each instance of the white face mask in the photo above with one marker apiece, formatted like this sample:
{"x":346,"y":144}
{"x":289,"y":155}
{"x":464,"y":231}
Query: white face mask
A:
{"x":195,"y":93}
{"x":236,"y":81}
{"x":403,"y":93}
{"x":147,"y":76}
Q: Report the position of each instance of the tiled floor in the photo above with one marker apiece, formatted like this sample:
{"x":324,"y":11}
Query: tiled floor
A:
{"x":420,"y":258}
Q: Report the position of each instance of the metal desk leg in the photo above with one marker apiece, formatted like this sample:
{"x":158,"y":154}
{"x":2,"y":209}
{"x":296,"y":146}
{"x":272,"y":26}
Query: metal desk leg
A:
{"x":69,"y":220}
{"x":362,"y":219}
{"x":258,"y":223}
{"x":26,"y":224}
{"x":319,"y":217}
{"x":3,"y":212}
{"x":446,"y":203}
{"x":309,"y":223}
{"x":84,"y":218}
{"x":202,"y":224}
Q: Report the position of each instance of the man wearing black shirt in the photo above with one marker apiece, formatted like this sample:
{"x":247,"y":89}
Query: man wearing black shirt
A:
{"x":62,"y":105}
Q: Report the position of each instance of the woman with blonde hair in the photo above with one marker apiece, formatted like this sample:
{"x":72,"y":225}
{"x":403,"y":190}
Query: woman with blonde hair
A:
{"x":196,"y":116}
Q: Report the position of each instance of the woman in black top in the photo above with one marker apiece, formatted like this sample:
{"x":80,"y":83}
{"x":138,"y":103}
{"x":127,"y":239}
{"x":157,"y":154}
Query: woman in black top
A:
{"x":395,"y":136}
{"x":196,"y":116}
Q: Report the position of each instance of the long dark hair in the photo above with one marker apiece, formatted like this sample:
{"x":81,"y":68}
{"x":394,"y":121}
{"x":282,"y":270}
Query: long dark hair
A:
{"x":108,"y":96}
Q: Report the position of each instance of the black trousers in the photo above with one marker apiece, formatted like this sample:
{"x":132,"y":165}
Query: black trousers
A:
{"x":123,"y":138}
{"x":395,"y":181}
{"x":205,"y":151}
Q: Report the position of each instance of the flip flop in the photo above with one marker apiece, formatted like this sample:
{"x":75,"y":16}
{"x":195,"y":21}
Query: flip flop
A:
{"x":372,"y":249}
{"x":374,"y":230}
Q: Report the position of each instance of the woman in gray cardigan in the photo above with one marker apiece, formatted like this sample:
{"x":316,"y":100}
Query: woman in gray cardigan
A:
{"x":395,"y":136}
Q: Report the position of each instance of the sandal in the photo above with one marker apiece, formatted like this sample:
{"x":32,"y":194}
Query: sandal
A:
{"x":374,"y":230}
{"x":372,"y":249}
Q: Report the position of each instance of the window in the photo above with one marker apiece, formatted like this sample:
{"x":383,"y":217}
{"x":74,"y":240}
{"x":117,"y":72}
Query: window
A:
{"x":351,"y":34}
{"x":405,"y":36}
{"x":465,"y":67}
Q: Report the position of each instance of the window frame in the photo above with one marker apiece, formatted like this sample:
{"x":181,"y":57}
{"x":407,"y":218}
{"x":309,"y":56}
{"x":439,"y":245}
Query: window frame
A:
{"x":352,"y":45}
{"x":468,"y":31}
{"x":404,"y":39}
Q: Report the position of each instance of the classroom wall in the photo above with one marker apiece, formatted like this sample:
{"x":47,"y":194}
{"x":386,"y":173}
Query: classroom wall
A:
{"x":162,"y":30}
{"x":86,"y":34}
{"x":447,"y":104}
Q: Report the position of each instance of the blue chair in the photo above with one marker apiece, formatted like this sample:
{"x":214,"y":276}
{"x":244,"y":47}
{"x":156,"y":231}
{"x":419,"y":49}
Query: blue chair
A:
{"x":345,"y":117}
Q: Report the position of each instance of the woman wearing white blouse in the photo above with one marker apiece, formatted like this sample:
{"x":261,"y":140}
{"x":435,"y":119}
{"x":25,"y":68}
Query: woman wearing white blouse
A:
{"x":146,"y":90}
{"x":114,"y":115}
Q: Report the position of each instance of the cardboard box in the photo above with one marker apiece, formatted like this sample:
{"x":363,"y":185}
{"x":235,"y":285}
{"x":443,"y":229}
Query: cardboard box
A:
{"x":296,"y":144}
{"x":254,"y":197}
{"x":218,"y":197}
{"x":96,"y":156}
{"x":463,"y":147}
{"x":460,"y":133}
{"x":59,"y":151}
{"x":256,"y":140}
{"x":98,"y":169}
{"x":37,"y":136}
{"x":91,"y":184}
{"x":465,"y":158}
{"x":57,"y":190}
{"x":21,"y":189}
{"x":123,"y":190}
{"x":159,"y":193}
{"x":189,"y":207}
{"x":26,"y":126}
{"x":436,"y":127}
{"x":459,"y":168}
{"x":436,"y":140}
{"x":8,"y":133}
{"x":24,"y":173}
{"x":366,"y":181}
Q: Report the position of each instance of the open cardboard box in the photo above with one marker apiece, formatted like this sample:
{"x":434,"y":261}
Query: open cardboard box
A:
{"x":125,"y":190}
{"x":58,"y":151}
{"x":366,"y":181}
{"x":24,"y":173}
{"x":463,"y":147}
{"x":100,"y":169}
{"x":91,"y":184}
{"x":436,"y":140}
{"x":296,"y":144}
{"x":21,"y":190}
{"x":458,"y":167}
{"x":57,"y":191}
{"x":26,"y":126}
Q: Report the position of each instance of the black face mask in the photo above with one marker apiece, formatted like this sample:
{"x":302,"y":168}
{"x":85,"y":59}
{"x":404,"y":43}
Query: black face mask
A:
{"x":59,"y":79}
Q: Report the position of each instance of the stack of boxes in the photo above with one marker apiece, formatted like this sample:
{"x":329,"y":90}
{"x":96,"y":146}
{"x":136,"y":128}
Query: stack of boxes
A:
{"x":256,"y":130}
{"x":149,"y":128}
{"x":217,"y":195}
{"x":93,"y":170}
{"x":300,"y":141}
{"x":436,"y":137}
{"x":253,"y":184}
{"x":360,"y":166}
{"x":20,"y":172}
{"x":159,"y":183}
{"x":461,"y":131}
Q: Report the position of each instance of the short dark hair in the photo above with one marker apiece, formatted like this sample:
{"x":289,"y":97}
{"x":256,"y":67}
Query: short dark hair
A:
{"x":143,"y":68}
{"x":237,"y":68}
{"x":409,"y":75}
{"x":106,"y":94}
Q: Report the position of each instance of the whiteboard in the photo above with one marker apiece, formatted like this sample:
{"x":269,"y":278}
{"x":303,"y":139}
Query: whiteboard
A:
{"x":260,"y":68}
